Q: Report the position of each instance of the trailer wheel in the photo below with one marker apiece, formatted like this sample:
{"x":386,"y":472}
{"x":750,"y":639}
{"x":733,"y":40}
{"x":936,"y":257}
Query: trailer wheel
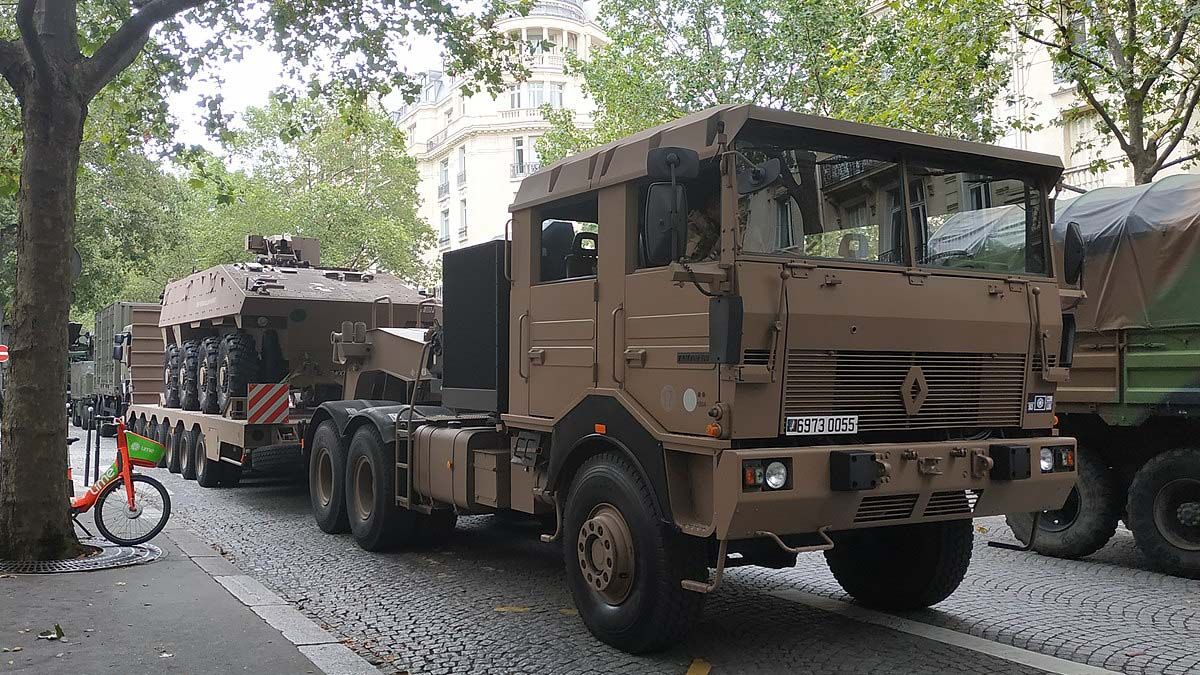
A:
{"x":187,"y":460}
{"x":1164,"y":512}
{"x":376,"y":521}
{"x":209,"y":472}
{"x":327,"y":479}
{"x":206,"y":375}
{"x":161,"y":432}
{"x":238,"y":366}
{"x":172,"y":360}
{"x":1085,"y":522}
{"x":902,"y":566}
{"x":189,"y":373}
{"x":175,"y":449}
{"x":624,"y":565}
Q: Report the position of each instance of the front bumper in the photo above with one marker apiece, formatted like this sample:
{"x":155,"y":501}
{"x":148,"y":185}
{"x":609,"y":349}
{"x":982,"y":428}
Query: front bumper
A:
{"x":921,"y":482}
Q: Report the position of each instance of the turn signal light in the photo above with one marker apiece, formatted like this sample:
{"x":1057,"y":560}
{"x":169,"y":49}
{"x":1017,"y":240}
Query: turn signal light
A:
{"x":713,"y":429}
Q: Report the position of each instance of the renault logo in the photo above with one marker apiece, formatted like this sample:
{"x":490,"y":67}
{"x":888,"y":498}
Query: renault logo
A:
{"x":913,"y":390}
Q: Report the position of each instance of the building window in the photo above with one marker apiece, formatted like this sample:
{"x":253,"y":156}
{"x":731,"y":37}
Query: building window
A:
{"x":444,"y":234}
{"x":525,"y":160}
{"x":979,"y":193}
{"x":462,"y":220}
{"x":444,"y":178}
{"x":412,"y":134}
{"x":462,"y":164}
{"x":519,"y":154}
{"x":556,"y":94}
{"x":572,"y":42}
{"x":534,"y":37}
{"x":536,"y":93}
{"x":1078,"y":29}
{"x":449,"y":115}
{"x":514,"y":97}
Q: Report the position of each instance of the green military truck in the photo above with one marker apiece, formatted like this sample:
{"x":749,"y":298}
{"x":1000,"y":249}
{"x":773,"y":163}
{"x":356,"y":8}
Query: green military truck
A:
{"x":116,"y":366}
{"x":1133,"y":400}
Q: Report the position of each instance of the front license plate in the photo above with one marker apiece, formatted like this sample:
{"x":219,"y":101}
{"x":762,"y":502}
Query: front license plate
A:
{"x":826,"y":424}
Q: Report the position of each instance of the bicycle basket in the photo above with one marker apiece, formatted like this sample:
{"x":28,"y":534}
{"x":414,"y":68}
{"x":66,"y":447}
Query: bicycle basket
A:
{"x":143,"y":451}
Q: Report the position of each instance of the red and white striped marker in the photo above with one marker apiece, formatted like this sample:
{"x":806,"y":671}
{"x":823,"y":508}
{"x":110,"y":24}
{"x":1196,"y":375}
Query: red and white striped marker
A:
{"x":3,"y":353}
{"x":267,"y":403}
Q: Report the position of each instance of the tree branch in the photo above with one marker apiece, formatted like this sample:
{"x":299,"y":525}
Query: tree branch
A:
{"x":1180,"y":133}
{"x":1183,"y":107}
{"x":123,"y":46}
{"x":1070,"y":50}
{"x":1108,"y":120}
{"x":1165,"y":61}
{"x":1181,"y":160}
{"x":12,"y":59}
{"x":29,"y":36}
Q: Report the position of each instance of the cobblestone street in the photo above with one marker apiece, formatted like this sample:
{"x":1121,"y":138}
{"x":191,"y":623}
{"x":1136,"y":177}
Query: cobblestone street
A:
{"x":492,"y":599}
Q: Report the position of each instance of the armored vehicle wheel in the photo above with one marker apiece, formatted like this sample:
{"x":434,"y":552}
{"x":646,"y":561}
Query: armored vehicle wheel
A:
{"x":189,"y":373}
{"x":1164,"y":512}
{"x":230,"y":475}
{"x":161,"y":432}
{"x":327,"y":479}
{"x":174,"y":449}
{"x":206,"y":376}
{"x":236,"y":368}
{"x":209,"y":472}
{"x":624,"y":565}
{"x":172,"y":360}
{"x":375,"y":520}
{"x":187,"y":452}
{"x":902,"y":566}
{"x":1086,"y":521}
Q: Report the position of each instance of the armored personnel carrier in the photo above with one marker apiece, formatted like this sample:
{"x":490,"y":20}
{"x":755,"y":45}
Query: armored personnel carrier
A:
{"x":246,"y":354}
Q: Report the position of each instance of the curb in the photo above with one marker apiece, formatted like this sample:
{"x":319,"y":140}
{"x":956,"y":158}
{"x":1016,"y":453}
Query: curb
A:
{"x":325,"y":651}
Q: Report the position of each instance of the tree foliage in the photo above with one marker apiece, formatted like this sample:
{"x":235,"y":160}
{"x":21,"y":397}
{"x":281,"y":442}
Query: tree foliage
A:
{"x":1135,"y":64}
{"x":927,"y":65}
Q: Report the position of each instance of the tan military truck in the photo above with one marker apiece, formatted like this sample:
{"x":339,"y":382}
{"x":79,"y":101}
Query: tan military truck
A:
{"x":725,"y":341}
{"x":244,"y":356}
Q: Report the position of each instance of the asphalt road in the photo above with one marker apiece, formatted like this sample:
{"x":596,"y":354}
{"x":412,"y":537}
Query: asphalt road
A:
{"x":492,"y":599}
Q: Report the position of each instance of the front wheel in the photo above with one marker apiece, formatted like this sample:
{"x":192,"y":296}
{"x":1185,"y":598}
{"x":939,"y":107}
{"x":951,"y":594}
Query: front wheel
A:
{"x":127,"y":526}
{"x":1085,"y":522}
{"x":902,"y":566}
{"x":624,"y":564}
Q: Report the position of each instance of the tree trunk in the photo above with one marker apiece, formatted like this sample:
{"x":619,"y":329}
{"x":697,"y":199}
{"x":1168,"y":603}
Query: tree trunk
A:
{"x":34,"y":522}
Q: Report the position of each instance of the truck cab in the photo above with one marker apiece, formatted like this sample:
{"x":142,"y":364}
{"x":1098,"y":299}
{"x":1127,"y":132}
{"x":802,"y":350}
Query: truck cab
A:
{"x":736,"y":337}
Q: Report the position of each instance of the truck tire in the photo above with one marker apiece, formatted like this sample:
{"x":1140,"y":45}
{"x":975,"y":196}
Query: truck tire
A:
{"x":174,"y":449}
{"x":624,"y":565}
{"x":206,"y":376}
{"x":189,"y":374}
{"x":209,"y":472}
{"x":376,"y":522}
{"x":161,"y":433}
{"x":902,"y":566}
{"x":187,"y":453}
{"x":172,"y":360}
{"x":1085,"y":522}
{"x":327,"y":479}
{"x":237,"y":367}
{"x":1164,"y":512}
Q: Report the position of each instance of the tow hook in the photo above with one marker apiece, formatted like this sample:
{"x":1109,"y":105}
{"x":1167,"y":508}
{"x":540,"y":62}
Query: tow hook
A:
{"x":551,"y":538}
{"x":709,"y":587}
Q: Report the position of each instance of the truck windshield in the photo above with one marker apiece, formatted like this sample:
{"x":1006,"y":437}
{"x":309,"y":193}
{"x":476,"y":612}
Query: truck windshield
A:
{"x":850,"y":207}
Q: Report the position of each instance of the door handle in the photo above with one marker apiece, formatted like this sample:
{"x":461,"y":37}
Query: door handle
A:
{"x":537,"y":356}
{"x":635,"y":358}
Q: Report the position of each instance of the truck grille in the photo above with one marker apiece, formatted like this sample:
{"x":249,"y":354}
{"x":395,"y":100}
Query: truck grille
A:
{"x":885,"y":507}
{"x":959,"y":389}
{"x":952,"y":503}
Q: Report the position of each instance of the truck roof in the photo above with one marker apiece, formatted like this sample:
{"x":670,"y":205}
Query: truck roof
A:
{"x":625,"y":159}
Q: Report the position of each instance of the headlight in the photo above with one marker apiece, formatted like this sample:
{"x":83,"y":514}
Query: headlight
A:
{"x":1047,"y":460}
{"x":776,"y":475}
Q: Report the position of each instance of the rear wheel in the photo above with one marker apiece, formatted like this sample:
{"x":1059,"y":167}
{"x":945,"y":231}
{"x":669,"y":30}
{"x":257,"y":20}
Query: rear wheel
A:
{"x":237,"y":367}
{"x":189,"y":373}
{"x":376,"y":521}
{"x":187,"y":460}
{"x":175,"y":449}
{"x":161,"y":431}
{"x":172,"y":360}
{"x":206,"y":375}
{"x":327,"y":479}
{"x":1086,"y":521}
{"x":208,"y":471}
{"x":624,"y":565}
{"x":1164,"y":512}
{"x":903,"y":566}
{"x":127,"y":526}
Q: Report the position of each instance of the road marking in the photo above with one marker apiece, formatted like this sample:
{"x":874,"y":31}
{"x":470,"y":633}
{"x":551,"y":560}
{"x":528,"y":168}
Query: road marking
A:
{"x":699,"y":667}
{"x":1025,"y":657}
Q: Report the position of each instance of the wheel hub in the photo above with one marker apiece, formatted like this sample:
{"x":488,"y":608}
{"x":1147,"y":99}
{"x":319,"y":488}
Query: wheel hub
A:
{"x":1177,"y":513}
{"x":606,"y":554}
{"x":324,"y":477}
{"x":133,"y":512}
{"x":364,"y":493}
{"x":1057,"y":520}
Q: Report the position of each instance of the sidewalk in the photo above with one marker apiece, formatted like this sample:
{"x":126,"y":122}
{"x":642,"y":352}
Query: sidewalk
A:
{"x":173,"y":615}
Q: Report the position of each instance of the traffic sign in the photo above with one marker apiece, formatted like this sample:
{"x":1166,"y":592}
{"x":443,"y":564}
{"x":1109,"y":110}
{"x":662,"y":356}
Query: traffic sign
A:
{"x":3,"y":353}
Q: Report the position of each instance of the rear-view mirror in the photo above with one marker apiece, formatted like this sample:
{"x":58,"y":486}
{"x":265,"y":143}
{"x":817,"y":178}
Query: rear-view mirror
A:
{"x":118,"y":347}
{"x":666,"y":223}
{"x":1073,"y":255}
{"x":759,"y":176}
{"x":672,"y":164}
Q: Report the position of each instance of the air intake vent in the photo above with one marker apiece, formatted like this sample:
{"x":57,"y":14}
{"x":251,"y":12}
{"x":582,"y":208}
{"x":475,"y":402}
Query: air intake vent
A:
{"x":952,"y":503}
{"x":756,"y":357}
{"x":961,"y":389}
{"x":885,"y":507}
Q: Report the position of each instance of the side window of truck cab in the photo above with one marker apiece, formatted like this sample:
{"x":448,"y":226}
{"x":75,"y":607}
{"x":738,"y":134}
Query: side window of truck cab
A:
{"x":569,"y":235}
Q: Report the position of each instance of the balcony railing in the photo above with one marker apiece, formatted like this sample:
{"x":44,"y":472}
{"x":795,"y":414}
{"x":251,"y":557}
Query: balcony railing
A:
{"x":462,"y":177}
{"x":525,"y":168}
{"x":845,"y":170}
{"x":443,"y":190}
{"x":437,"y":139}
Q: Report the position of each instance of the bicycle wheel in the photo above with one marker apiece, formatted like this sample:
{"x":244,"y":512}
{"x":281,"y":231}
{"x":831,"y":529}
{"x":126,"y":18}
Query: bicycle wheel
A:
{"x":129,"y":527}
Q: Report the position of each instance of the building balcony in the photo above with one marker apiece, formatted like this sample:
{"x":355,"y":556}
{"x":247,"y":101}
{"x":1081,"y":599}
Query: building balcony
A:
{"x":443,"y":190}
{"x":547,"y":60}
{"x":437,"y":139}
{"x":462,"y":177}
{"x":520,"y":169}
{"x":462,"y":234}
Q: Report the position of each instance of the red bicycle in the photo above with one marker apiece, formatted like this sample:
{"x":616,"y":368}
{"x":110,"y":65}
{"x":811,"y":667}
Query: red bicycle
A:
{"x":131,"y":508}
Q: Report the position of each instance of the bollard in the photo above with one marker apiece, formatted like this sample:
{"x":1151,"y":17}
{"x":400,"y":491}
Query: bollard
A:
{"x":87,"y":454}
